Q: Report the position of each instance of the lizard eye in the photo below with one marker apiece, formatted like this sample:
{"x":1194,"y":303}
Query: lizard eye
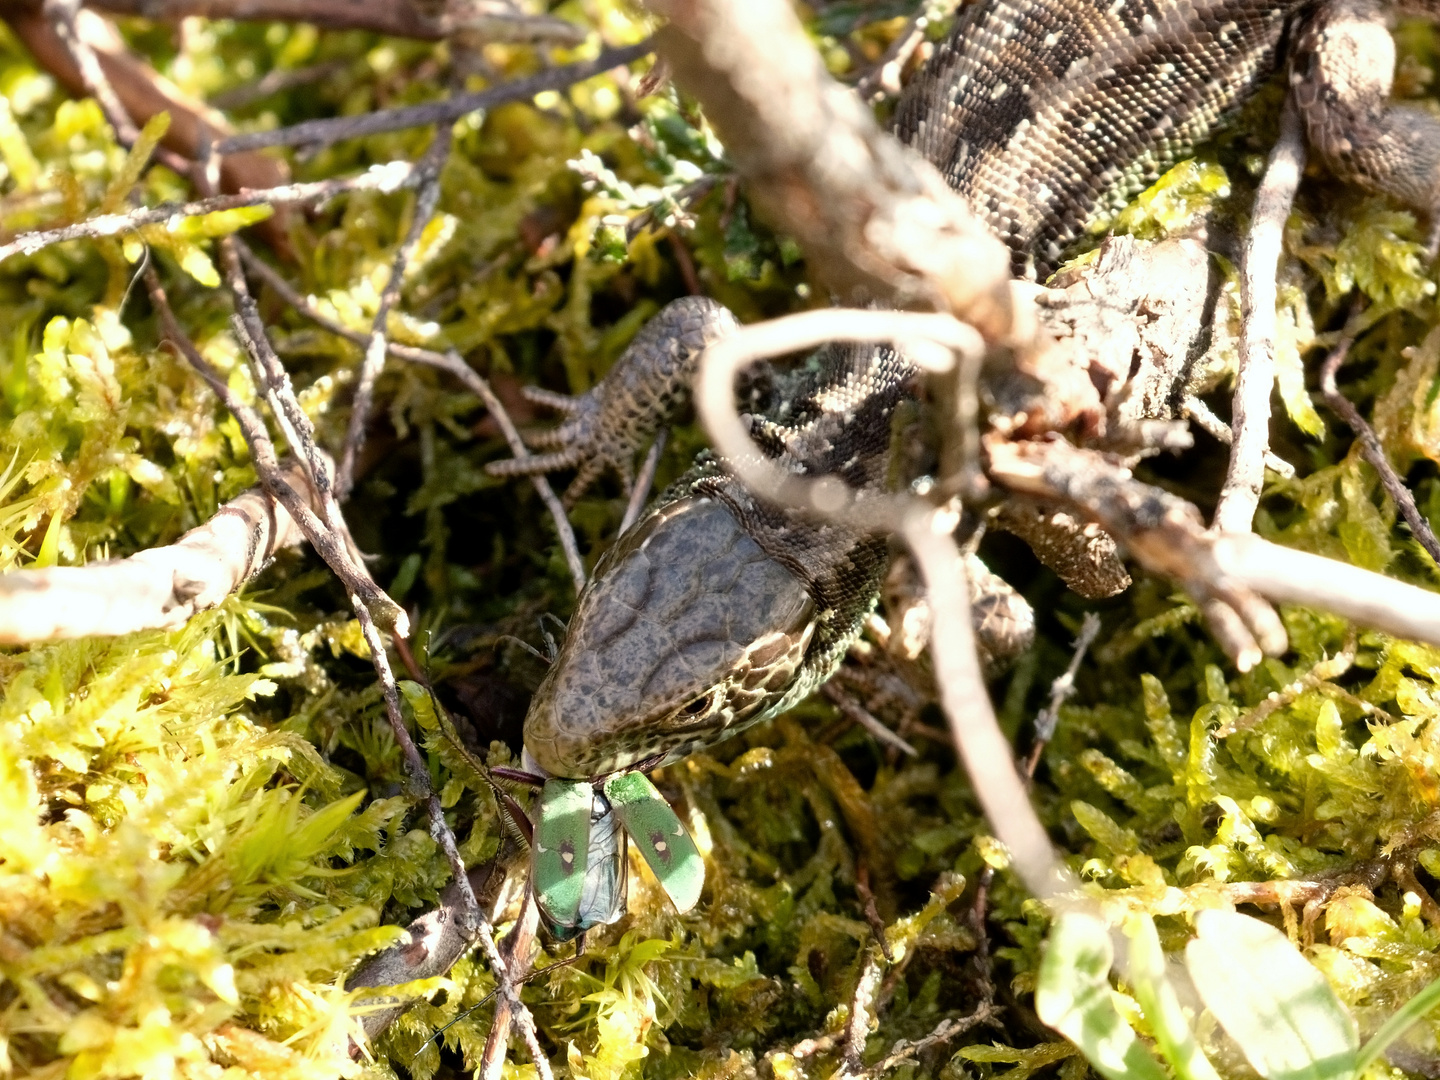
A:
{"x":696,"y":707}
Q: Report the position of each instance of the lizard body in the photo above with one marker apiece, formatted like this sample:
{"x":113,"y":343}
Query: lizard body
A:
{"x":1043,"y":113}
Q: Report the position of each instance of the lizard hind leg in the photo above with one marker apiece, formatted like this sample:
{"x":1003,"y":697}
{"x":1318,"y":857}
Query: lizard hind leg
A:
{"x":1342,"y":72}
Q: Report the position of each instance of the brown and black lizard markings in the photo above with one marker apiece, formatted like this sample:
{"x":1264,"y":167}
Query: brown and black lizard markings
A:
{"x":1046,"y":114}
{"x":1342,"y":72}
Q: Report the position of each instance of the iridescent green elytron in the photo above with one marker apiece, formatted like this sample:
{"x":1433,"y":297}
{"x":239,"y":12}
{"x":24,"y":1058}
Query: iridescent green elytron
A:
{"x":578,"y":868}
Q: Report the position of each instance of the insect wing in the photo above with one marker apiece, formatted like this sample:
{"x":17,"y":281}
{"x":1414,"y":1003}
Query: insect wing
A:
{"x":602,"y":895}
{"x":663,"y":842}
{"x":561,"y":849}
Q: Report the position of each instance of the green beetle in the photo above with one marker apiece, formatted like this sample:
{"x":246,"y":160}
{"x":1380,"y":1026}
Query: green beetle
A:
{"x":578,"y":869}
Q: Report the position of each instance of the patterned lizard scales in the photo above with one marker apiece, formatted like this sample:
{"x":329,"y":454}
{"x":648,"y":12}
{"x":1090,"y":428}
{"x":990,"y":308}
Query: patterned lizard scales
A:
{"x":714,"y":611}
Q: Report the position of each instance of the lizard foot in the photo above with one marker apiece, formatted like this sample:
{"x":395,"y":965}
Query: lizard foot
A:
{"x":647,"y":387}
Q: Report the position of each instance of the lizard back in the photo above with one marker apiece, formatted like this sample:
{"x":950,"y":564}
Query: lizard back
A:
{"x":1046,"y":114}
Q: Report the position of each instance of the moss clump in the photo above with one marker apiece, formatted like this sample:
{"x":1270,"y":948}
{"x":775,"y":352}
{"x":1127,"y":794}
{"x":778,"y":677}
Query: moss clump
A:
{"x":206,"y":830}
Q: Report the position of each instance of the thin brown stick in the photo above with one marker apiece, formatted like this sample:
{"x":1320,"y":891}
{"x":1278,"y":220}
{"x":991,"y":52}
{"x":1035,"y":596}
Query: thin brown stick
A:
{"x":332,"y":546}
{"x":397,"y":18}
{"x":515,"y":953}
{"x":1255,"y":381}
{"x":477,"y":383}
{"x":1373,"y":452}
{"x":274,"y":383}
{"x":382,"y":178}
{"x":278,"y":81}
{"x":452,"y":364}
{"x":159,"y":588}
{"x":468,"y":910}
{"x":853,"y":711}
{"x":62,"y":15}
{"x":471,"y":921}
{"x":427,"y":197}
{"x":944,"y":1032}
{"x":325,"y":132}
{"x":640,"y":491}
{"x":1061,"y":690}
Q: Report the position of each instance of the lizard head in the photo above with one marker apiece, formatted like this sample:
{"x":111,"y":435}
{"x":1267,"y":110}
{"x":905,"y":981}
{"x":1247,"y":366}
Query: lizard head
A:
{"x":687,"y":633}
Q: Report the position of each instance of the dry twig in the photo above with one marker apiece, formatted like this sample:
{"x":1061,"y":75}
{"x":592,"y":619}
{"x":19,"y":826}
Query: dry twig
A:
{"x":883,"y":80}
{"x":1255,"y":381}
{"x":924,"y":528}
{"x":640,"y":490}
{"x":427,"y":198}
{"x":515,"y":956}
{"x":159,"y":588}
{"x":1234,"y":577}
{"x":1061,"y":691}
{"x":398,"y":18}
{"x":324,"y":132}
{"x":451,"y":363}
{"x":1319,"y":677}
{"x":852,"y":710}
{"x":141,"y":91}
{"x":944,"y":1032}
{"x":63,"y":15}
{"x":387,"y":178}
{"x":332,"y":546}
{"x":1373,"y":452}
{"x":1196,"y":409}
{"x":886,"y":223}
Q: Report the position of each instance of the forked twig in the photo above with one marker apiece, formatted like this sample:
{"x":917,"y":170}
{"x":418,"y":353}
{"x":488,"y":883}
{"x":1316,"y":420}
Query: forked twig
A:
{"x":924,"y":528}
{"x":1245,"y":477}
{"x":331,"y":546}
{"x":1235,"y":577}
{"x":451,"y":363}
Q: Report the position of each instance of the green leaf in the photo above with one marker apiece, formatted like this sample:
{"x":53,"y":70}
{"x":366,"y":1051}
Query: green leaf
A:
{"x":1162,"y":1008}
{"x":1272,"y":1002}
{"x":663,"y":842}
{"x":1409,"y":1013}
{"x":1073,"y":997}
{"x":561,"y":849}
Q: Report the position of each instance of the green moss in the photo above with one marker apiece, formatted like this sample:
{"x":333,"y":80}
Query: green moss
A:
{"x":205,"y":830}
